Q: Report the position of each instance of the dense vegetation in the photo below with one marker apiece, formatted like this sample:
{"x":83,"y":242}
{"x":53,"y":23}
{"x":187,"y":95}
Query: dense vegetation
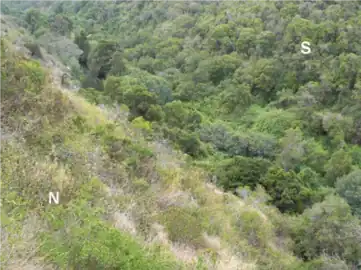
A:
{"x":224,"y":82}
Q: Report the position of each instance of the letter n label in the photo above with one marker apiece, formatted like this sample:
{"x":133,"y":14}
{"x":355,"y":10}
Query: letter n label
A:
{"x":53,"y":198}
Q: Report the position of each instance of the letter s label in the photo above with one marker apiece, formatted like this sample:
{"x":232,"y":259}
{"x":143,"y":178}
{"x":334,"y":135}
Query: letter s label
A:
{"x":305,"y":49}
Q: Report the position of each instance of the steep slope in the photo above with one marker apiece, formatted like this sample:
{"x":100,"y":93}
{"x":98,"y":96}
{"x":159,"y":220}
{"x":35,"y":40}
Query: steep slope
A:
{"x":225,"y":84}
{"x":120,"y":206}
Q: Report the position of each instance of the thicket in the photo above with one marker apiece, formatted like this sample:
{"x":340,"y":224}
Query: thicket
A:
{"x":228,"y":85}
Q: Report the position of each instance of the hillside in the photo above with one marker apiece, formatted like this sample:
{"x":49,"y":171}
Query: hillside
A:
{"x":181,"y":135}
{"x":113,"y":185}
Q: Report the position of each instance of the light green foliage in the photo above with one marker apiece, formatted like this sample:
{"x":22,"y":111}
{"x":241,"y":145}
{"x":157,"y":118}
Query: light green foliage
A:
{"x":349,"y":187}
{"x":293,"y":149}
{"x":91,"y":243}
{"x":275,"y":122}
{"x":141,"y":124}
{"x":339,"y":165}
{"x":314,"y":231}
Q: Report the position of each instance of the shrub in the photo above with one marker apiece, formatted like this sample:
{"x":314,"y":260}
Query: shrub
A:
{"x":93,"y":244}
{"x":275,"y":122}
{"x":349,"y":187}
{"x":328,"y":228}
{"x":35,"y":50}
{"x":287,"y":191}
{"x":183,"y":225}
{"x":141,"y":124}
{"x":241,"y":171}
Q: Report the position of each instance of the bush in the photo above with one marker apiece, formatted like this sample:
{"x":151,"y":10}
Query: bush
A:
{"x":328,"y":228}
{"x":35,"y":50}
{"x":253,"y":227}
{"x":340,"y":164}
{"x":183,"y":225}
{"x":275,"y":122}
{"x":288,"y":193}
{"x":349,"y":187}
{"x":241,"y":171}
{"x":141,"y":124}
{"x":155,"y":113}
{"x":93,"y":244}
{"x":94,"y":96}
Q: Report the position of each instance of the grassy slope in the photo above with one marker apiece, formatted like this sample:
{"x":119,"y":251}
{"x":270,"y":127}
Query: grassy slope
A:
{"x":121,"y":207}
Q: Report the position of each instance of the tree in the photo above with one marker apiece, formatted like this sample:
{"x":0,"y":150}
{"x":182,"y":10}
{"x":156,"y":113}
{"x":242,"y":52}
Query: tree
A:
{"x":117,"y":64}
{"x":262,"y":75}
{"x":99,"y":60}
{"x":288,"y":193}
{"x":155,"y":113}
{"x":139,"y":100}
{"x":292,"y":149}
{"x":349,"y":187}
{"x":61,"y":24}
{"x":328,"y":228}
{"x":176,"y":114}
{"x":241,"y":171}
{"x":339,"y":165}
{"x":82,"y":41}
{"x":236,"y":97}
{"x":33,"y":19}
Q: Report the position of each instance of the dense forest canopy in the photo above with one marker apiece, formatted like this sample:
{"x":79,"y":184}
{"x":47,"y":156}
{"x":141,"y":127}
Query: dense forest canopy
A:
{"x":259,"y":94}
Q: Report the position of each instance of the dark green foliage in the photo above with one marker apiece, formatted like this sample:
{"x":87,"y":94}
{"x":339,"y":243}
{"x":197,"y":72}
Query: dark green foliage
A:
{"x":253,"y":144}
{"x":241,"y":171}
{"x":178,"y":114}
{"x":287,"y":191}
{"x":190,"y":144}
{"x":83,"y":43}
{"x":187,"y":142}
{"x":90,"y":81}
{"x":5,"y":9}
{"x":139,"y":100}
{"x":100,"y":58}
{"x":154,"y":113}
